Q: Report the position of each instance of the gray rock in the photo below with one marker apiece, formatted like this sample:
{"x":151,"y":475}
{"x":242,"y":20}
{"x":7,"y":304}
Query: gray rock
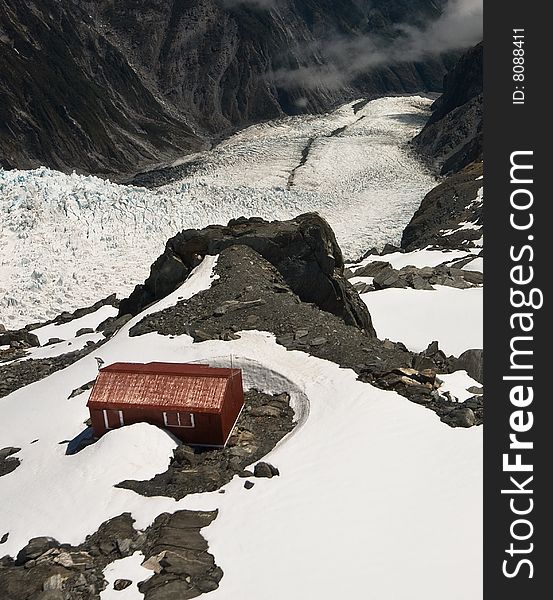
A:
{"x":249,"y":484}
{"x":265,"y":470}
{"x":433,"y":349}
{"x":473,"y":277}
{"x":8,"y":451}
{"x":35,"y":548}
{"x":419,"y":283}
{"x":319,"y":341}
{"x":460,"y":417}
{"x":304,"y":251}
{"x":245,"y":474}
{"x":111,"y":325}
{"x":475,"y":390}
{"x":121,"y":584}
{"x":388,"y":278}
{"x":84,"y":331}
{"x":55,"y":582}
{"x":472,"y":361}
{"x":53,"y":340}
{"x":372,"y":269}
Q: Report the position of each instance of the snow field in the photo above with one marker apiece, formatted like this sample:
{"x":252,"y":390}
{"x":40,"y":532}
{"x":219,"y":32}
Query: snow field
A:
{"x":418,"y":317}
{"x":370,"y":483}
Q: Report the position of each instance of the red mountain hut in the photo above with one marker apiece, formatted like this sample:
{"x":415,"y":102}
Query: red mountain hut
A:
{"x":197,"y":403}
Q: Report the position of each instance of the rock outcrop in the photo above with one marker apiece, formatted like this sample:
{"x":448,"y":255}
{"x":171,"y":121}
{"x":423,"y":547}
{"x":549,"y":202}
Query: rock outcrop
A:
{"x":450,"y":215}
{"x":303,"y":250}
{"x":452,"y":138}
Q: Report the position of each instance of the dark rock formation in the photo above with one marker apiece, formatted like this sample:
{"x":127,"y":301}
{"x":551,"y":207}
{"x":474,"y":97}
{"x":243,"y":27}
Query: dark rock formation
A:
{"x":452,"y":138}
{"x":174,"y":550}
{"x":113,"y":87}
{"x":303,"y":250}
{"x":417,"y":278}
{"x":8,"y":462}
{"x":264,"y":421}
{"x":24,"y":372}
{"x":443,"y":209}
{"x":472,"y":361}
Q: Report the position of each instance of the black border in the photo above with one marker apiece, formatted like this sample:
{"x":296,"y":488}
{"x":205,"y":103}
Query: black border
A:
{"x":509,"y":128}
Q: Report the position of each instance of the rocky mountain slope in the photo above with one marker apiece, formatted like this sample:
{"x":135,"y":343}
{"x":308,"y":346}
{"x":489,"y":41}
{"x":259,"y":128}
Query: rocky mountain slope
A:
{"x":114,"y":87}
{"x":451,"y":215}
{"x":453,"y":136}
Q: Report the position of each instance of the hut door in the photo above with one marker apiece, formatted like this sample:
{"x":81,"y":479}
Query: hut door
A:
{"x":113,"y":419}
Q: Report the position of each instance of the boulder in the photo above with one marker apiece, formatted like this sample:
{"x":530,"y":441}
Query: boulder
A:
{"x":460,"y":417}
{"x":264,"y":469}
{"x":372,"y":269}
{"x":121,"y":584}
{"x":35,"y":548}
{"x":84,"y":331}
{"x":388,"y":278}
{"x":472,"y":361}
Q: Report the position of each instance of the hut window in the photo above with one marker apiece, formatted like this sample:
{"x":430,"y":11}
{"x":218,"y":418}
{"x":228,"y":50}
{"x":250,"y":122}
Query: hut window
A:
{"x":178,"y":419}
{"x":113,"y":419}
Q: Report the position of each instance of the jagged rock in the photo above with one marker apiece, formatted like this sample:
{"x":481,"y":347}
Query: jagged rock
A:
{"x":304,"y":251}
{"x":35,"y":548}
{"x":112,"y":325}
{"x":388,"y":278}
{"x":20,"y":336}
{"x":452,"y":138}
{"x":121,"y":584}
{"x":84,"y":331}
{"x":472,"y":361}
{"x":475,"y":390}
{"x":372,"y":269}
{"x":249,"y":484}
{"x":389,"y":249}
{"x":267,"y":470}
{"x":460,"y":417}
{"x":444,"y":208}
{"x":418,"y":283}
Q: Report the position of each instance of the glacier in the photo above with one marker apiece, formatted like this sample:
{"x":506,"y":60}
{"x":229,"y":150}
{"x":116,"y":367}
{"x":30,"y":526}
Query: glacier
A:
{"x":68,"y":240}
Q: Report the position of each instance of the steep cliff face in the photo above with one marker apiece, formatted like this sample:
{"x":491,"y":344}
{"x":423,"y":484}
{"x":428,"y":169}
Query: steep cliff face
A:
{"x":452,"y":138}
{"x":69,"y":98}
{"x":114,"y":86}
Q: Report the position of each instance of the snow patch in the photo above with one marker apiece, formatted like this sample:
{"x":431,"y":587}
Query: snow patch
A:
{"x":125,"y":568}
{"x":418,"y":317}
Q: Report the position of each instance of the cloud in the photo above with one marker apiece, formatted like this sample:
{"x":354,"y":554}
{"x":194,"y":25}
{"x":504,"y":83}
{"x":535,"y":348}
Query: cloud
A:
{"x":343,"y":59}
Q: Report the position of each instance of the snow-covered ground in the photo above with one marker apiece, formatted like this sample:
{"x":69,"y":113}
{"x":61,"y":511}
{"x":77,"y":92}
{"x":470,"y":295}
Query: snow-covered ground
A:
{"x":67,"y":241}
{"x":376,"y":498}
{"x":418,"y":317}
